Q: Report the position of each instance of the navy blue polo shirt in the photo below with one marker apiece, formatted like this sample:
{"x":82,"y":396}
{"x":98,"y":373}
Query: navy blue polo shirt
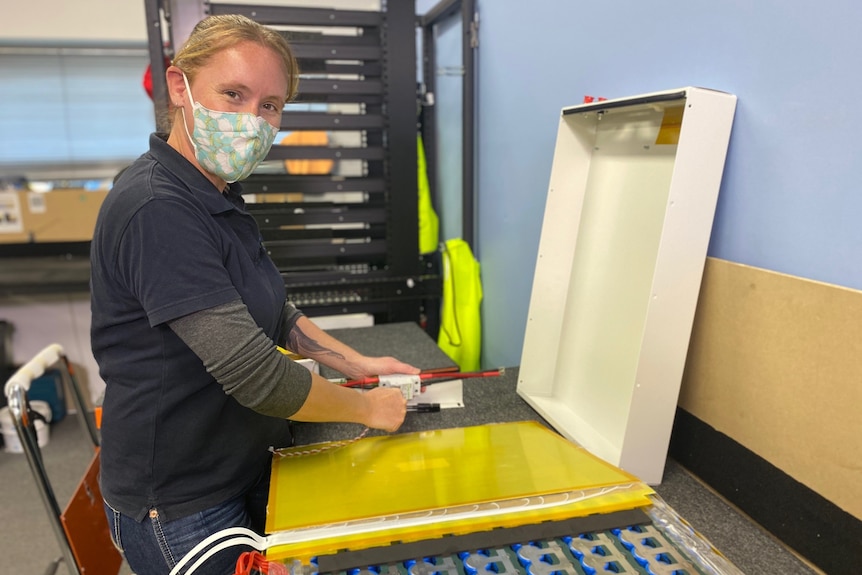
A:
{"x":168,"y":244}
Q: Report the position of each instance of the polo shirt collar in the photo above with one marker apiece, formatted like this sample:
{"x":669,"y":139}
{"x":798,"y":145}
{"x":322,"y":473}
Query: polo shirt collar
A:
{"x":198,"y":184}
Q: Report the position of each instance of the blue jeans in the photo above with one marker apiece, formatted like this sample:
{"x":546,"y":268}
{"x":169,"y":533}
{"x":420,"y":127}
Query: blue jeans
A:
{"x":154,"y":547}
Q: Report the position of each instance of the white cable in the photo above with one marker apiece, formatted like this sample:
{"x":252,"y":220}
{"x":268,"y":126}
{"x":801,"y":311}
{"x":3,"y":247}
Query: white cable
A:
{"x":239,"y":536}
{"x":260,"y":546}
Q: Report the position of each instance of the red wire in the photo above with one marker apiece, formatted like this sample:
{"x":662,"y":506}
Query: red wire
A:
{"x":254,"y":562}
{"x":427,"y":375}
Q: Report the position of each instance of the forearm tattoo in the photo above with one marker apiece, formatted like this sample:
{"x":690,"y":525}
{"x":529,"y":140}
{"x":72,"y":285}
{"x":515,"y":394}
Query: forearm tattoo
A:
{"x":304,"y":345}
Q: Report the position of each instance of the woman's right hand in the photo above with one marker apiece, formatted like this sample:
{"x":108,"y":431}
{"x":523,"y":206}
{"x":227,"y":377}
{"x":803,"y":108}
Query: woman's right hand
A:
{"x":386,"y":408}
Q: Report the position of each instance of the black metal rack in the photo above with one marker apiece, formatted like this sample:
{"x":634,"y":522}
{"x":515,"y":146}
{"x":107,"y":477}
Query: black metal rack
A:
{"x":345,"y":241}
{"x":439,"y":13}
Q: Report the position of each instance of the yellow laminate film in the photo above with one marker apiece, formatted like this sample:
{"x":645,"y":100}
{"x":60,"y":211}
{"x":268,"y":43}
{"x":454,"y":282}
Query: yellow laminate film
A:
{"x":671,"y":125}
{"x":305,"y":544}
{"x":428,"y":484}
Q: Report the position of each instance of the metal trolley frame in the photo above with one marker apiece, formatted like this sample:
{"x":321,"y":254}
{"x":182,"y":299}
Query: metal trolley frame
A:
{"x":80,"y":528}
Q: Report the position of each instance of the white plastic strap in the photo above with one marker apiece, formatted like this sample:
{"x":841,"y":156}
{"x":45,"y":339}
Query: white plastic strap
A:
{"x":233,"y":536}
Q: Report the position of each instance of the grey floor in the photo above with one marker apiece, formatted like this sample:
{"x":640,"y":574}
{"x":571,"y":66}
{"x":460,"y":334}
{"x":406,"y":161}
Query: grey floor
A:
{"x":27,"y":544}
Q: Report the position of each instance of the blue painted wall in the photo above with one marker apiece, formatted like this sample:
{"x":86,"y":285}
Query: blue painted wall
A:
{"x":791,"y":198}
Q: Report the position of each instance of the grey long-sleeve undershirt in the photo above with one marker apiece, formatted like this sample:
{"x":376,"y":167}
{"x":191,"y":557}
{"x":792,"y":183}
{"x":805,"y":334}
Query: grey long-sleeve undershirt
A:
{"x":239,"y":355}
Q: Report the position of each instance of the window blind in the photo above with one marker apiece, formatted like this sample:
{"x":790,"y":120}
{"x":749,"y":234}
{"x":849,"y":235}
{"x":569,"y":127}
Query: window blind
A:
{"x":72,"y":112}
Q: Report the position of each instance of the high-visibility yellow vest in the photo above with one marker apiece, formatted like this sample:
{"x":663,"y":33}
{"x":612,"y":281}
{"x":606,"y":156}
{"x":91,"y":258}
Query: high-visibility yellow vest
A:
{"x":429,"y":224}
{"x":460,"y":320}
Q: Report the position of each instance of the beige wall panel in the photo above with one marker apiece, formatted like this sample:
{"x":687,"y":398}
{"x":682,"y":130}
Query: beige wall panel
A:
{"x":74,"y":21}
{"x":775,"y":362}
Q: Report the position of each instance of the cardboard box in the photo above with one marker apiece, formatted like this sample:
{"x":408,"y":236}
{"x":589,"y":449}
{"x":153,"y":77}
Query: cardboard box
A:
{"x":62,"y":215}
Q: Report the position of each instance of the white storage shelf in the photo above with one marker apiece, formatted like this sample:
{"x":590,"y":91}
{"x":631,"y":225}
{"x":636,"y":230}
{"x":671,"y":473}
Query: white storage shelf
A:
{"x":627,"y":221}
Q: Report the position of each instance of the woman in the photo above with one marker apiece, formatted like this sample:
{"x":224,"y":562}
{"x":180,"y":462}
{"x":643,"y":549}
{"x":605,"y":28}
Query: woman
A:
{"x":188,"y":308}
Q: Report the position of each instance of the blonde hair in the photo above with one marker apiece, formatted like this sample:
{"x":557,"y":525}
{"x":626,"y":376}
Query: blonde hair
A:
{"x":214,"y":34}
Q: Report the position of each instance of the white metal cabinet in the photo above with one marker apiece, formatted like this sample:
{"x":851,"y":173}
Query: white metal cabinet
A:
{"x":627,"y":221}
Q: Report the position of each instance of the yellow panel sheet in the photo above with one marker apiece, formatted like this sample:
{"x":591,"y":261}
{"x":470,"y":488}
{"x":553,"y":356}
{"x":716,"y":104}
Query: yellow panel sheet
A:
{"x":671,"y":125}
{"x":416,"y":485}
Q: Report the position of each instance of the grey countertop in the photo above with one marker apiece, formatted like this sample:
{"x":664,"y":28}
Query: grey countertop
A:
{"x":486,"y":400}
{"x":406,"y":341}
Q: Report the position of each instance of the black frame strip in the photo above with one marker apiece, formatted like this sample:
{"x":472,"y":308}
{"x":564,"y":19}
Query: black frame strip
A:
{"x":327,"y":121}
{"x":629,"y":102}
{"x":480,"y":540}
{"x":279,"y":152}
{"x":300,"y":16}
{"x":262,"y":184}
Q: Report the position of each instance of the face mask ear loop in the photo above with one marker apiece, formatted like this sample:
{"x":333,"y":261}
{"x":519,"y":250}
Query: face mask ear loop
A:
{"x":186,"y":126}
{"x":188,"y":89}
{"x":183,"y":111}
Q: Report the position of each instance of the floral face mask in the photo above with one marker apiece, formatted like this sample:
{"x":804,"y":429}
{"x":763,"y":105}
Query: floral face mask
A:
{"x":228,"y":144}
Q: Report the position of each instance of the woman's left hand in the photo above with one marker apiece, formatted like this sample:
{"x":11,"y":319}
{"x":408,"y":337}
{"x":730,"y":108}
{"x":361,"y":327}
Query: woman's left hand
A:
{"x":370,"y":366}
